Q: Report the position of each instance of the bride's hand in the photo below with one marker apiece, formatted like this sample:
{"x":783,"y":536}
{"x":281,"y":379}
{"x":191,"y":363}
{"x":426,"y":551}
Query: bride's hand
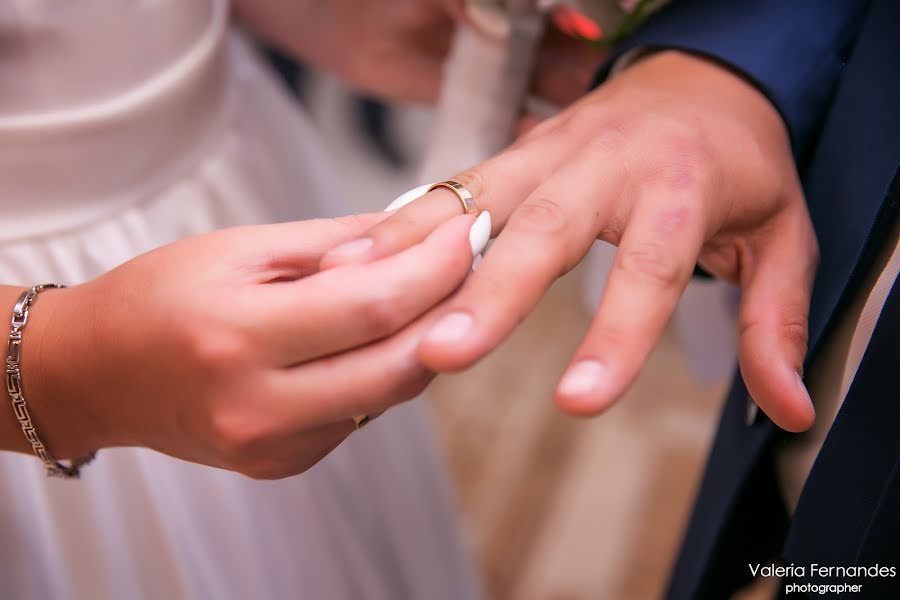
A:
{"x":676,"y":161}
{"x":396,"y":48}
{"x":231,"y":350}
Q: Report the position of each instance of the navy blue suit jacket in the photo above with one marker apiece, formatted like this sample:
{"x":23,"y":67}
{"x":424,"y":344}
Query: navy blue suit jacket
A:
{"x":832,"y":69}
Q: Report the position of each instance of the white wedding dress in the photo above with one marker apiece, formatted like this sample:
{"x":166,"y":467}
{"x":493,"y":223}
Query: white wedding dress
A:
{"x":124,"y":126}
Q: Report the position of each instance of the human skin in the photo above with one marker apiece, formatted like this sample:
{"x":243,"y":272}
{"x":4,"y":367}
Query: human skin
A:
{"x":231,"y":349}
{"x":150,"y":355}
{"x":677,"y":161}
{"x":396,"y":49}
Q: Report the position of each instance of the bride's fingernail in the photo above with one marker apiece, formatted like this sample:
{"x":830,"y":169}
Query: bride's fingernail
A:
{"x":407,"y":197}
{"x":352,"y":249}
{"x":452,"y":328}
{"x":480,"y":233}
{"x":582,"y":378}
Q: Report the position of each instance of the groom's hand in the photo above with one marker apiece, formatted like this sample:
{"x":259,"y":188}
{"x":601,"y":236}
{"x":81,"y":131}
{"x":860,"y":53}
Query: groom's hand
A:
{"x":675,"y":161}
{"x":396,"y":49}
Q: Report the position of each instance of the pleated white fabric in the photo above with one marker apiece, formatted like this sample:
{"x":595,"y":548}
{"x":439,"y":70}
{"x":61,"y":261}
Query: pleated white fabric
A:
{"x":206,"y":140}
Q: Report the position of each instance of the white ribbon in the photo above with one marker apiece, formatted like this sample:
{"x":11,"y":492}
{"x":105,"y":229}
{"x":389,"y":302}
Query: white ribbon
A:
{"x":485,"y":86}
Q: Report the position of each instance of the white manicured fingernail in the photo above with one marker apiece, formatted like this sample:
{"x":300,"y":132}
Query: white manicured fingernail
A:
{"x":476,"y":262}
{"x":407,"y":197}
{"x":489,"y":20}
{"x":354,"y":248}
{"x":582,"y":378}
{"x":452,"y":328}
{"x":480,"y":233}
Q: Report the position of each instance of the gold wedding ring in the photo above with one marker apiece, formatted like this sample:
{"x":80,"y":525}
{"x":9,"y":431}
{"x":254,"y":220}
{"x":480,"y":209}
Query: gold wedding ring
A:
{"x":361,"y":421}
{"x":464,"y":195}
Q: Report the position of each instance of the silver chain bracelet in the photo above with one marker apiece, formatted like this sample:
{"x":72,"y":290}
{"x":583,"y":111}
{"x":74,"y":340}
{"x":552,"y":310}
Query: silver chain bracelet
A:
{"x":14,"y":387}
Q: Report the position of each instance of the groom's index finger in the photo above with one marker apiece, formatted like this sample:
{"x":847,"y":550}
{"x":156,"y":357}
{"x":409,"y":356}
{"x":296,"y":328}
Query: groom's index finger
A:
{"x":411,"y":223}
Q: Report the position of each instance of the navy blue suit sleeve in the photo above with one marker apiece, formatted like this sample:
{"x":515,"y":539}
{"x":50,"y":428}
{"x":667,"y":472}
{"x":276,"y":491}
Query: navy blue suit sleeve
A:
{"x":792,"y":50}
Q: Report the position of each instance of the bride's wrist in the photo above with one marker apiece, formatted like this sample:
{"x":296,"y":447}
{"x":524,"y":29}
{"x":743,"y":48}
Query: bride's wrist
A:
{"x":58,"y":403}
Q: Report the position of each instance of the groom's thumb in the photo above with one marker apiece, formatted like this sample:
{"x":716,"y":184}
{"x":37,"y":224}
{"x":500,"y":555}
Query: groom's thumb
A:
{"x":774,"y":326}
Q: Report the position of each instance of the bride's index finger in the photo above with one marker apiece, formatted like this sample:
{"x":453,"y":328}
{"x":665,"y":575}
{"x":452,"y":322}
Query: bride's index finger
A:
{"x":357,"y":304}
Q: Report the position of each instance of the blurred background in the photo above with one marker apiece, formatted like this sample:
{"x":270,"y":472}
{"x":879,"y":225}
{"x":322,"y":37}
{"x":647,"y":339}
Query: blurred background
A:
{"x":554,"y":507}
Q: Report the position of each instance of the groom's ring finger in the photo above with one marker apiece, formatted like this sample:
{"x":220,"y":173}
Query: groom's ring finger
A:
{"x":466,"y":199}
{"x":410,"y":225}
{"x":417,"y":213}
{"x":497,"y":185}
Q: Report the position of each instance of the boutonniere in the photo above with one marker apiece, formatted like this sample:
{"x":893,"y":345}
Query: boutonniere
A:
{"x":602,"y":22}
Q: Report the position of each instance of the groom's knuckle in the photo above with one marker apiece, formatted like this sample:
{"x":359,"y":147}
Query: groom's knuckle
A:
{"x":544,"y":128}
{"x":683,"y":161}
{"x":794,"y":329}
{"x":540,"y":214}
{"x":651,"y":262}
{"x":591,"y":117}
{"x":610,"y":137}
